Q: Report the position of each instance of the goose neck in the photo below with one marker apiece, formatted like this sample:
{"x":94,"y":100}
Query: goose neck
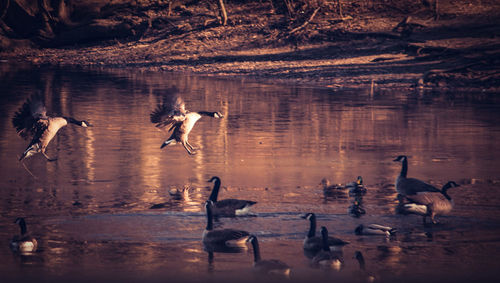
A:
{"x":210,"y":221}
{"x":215,"y":191}
{"x":312,"y":227}
{"x":22,"y":225}
{"x":256,"y":250}
{"x":404,"y":168}
{"x":324,"y":239}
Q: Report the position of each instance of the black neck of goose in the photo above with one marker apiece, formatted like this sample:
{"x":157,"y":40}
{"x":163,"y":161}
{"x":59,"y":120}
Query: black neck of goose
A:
{"x":206,"y":113}
{"x":361,"y":261}
{"x":22,"y":225}
{"x":444,"y":191}
{"x":210,"y":220}
{"x":324,"y":238}
{"x":73,"y":121}
{"x":256,"y":250}
{"x":404,"y":168}
{"x":312,"y":226}
{"x":215,"y":190}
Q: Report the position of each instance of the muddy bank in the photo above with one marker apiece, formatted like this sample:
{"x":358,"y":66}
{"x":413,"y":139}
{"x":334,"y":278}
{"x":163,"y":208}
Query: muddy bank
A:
{"x":356,"y":45}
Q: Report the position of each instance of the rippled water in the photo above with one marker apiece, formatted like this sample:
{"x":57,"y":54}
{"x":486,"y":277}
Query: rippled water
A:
{"x":90,"y":208}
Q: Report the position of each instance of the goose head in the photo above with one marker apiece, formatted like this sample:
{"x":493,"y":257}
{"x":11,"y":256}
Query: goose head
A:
{"x":22,"y":224}
{"x":359,"y":181}
{"x":251,"y":239}
{"x":309,"y":216}
{"x":449,"y":185}
{"x":81,"y":123}
{"x":214,"y":178}
{"x":400,"y":158}
{"x":85,"y":124}
{"x":218,"y":115}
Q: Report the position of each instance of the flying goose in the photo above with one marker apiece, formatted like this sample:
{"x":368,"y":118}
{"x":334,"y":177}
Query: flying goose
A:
{"x":31,"y":120}
{"x":172,"y":115}
{"x":23,"y":243}
{"x":222,"y":237}
{"x":409,"y":186}
{"x":313,"y":244}
{"x":268,"y":266}
{"x":326,"y":258}
{"x":431,"y":203}
{"x":228,"y":207}
{"x":374,"y":229}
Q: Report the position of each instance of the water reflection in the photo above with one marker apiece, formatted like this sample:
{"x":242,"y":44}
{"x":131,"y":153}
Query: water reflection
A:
{"x":90,"y":208}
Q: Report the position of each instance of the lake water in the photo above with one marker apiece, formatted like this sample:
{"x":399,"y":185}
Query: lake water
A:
{"x":90,"y":208}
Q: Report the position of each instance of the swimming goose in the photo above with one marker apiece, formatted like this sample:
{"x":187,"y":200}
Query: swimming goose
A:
{"x":222,"y":237}
{"x":374,"y":229}
{"x":23,"y":243}
{"x":228,"y":207}
{"x":431,"y":203}
{"x":268,"y":266}
{"x":314,"y":244}
{"x":367,"y":277}
{"x":326,"y":258}
{"x":172,"y":115}
{"x":410,"y":186}
{"x":31,"y":120}
{"x":356,"y":187}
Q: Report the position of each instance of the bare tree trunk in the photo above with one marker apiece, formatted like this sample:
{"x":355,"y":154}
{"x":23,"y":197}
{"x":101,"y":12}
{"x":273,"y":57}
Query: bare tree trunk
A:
{"x":436,"y":10}
{"x":289,"y":8}
{"x":339,"y":4}
{"x":223,"y":13}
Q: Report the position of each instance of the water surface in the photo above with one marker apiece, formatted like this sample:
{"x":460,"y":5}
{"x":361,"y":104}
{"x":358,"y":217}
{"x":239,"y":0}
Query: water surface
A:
{"x":90,"y":208}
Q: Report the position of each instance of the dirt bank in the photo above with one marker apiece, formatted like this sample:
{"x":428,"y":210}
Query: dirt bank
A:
{"x":356,"y":47}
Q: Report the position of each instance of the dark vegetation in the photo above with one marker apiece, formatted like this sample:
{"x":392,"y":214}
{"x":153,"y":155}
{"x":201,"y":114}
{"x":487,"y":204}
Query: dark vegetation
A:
{"x":427,"y":43}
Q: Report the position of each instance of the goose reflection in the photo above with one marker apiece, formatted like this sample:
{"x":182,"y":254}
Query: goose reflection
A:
{"x":267,"y":266}
{"x":23,"y":243}
{"x":356,"y":209}
{"x":362,"y":273}
{"x":313,"y":244}
{"x":326,"y":258}
{"x":177,"y":195}
{"x":222,"y":240}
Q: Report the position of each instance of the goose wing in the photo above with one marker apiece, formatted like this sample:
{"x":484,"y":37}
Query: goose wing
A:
{"x":169,"y":113}
{"x":39,"y":129}
{"x":413,"y":186}
{"x":271,"y":264}
{"x":425,"y":198}
{"x":334,"y":241}
{"x":26,"y":118}
{"x":233,"y":203}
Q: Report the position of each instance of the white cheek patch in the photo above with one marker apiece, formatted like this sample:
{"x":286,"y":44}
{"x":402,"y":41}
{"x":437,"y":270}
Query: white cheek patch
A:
{"x":84,"y":125}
